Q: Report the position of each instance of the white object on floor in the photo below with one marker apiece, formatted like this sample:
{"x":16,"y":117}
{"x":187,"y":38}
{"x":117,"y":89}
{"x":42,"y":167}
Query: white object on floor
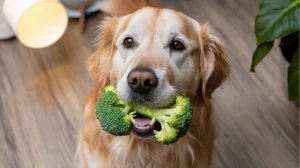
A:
{"x":37,"y":23}
{"x":75,"y":13}
{"x":76,"y":3}
{"x":5,"y":31}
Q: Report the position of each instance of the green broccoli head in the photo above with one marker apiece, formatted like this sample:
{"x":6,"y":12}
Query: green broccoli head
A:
{"x":116,"y":116}
{"x":181,"y":118}
{"x":111,"y":112}
{"x":167,"y":134}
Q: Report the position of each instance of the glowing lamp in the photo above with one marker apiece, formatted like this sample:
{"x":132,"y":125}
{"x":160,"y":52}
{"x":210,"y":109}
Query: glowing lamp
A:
{"x":37,"y":23}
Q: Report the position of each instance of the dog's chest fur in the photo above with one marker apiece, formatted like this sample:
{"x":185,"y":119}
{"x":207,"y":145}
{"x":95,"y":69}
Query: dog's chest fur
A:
{"x":129,"y":152}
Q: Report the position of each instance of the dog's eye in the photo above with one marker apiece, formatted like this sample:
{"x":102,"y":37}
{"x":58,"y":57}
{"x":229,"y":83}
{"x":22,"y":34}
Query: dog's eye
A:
{"x":128,"y":42}
{"x":177,"y":45}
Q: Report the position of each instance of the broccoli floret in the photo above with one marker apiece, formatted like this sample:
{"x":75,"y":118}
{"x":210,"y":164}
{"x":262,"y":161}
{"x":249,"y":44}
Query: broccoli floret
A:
{"x":115,"y":116}
{"x":113,"y":113}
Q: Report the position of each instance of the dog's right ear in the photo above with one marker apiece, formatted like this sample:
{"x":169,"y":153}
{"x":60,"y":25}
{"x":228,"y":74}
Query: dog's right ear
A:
{"x":215,"y":68}
{"x":99,"y":64}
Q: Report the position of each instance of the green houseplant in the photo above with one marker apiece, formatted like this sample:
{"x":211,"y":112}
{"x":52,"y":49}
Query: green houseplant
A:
{"x":276,"y":19}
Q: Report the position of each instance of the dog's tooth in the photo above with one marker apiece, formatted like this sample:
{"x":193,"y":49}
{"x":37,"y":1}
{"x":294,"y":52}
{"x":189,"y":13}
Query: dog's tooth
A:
{"x":132,"y":119}
{"x":141,"y":128}
{"x":152,"y":121}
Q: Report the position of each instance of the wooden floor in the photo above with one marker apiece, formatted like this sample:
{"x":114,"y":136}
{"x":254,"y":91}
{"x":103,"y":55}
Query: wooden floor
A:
{"x":41,"y":94}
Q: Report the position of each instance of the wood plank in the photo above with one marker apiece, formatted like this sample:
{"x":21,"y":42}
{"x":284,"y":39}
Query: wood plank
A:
{"x":5,"y":143}
{"x":41,"y":101}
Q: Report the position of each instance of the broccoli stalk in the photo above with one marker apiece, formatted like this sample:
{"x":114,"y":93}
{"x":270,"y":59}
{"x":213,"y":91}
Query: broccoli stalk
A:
{"x":115,"y":116}
{"x":174,"y":120}
{"x":126,"y":109}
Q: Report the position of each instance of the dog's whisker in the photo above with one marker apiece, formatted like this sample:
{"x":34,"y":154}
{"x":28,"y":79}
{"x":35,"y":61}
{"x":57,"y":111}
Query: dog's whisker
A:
{"x":194,"y":138}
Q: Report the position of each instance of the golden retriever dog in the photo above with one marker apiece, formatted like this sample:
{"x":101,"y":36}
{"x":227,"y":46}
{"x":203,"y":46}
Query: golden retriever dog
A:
{"x":151,"y":55}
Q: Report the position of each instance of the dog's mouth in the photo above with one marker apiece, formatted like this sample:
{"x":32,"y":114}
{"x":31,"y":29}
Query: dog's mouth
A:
{"x":143,"y":126}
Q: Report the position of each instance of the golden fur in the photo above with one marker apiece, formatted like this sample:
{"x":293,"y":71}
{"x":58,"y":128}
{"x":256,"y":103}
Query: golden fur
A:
{"x":102,"y":150}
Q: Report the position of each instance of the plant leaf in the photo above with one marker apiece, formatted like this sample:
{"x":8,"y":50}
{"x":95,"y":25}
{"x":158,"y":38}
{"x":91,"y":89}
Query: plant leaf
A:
{"x":261,"y":51}
{"x":276,"y":19}
{"x":293,"y":77}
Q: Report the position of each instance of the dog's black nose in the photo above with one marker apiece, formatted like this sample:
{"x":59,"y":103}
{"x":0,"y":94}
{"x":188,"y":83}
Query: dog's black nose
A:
{"x":141,"y":80}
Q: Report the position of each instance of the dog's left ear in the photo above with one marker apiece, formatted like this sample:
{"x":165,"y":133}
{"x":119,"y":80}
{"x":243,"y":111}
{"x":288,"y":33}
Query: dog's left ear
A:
{"x":100,"y":61}
{"x":213,"y":63}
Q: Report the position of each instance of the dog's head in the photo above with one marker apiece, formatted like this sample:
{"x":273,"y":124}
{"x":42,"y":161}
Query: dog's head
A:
{"x":153,"y":55}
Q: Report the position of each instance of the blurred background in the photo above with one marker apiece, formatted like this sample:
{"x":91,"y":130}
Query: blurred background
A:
{"x":42,"y":90}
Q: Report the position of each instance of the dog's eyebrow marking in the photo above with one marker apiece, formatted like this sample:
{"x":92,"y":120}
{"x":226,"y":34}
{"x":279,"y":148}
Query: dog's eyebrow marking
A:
{"x":188,"y":29}
{"x":123,"y":25}
{"x":156,"y":16}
